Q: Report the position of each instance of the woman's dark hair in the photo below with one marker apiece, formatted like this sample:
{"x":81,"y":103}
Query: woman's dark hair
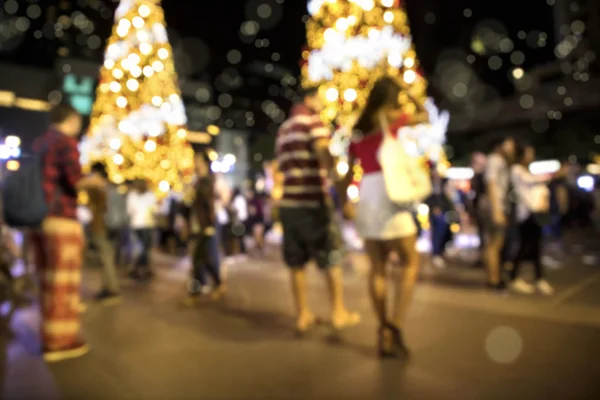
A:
{"x":384,"y":93}
{"x":61,"y":112}
{"x":520,"y":151}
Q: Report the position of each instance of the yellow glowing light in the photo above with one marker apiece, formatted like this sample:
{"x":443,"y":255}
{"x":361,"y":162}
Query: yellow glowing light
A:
{"x":143,"y":36}
{"x":158,"y":66}
{"x":144,"y":10}
{"x":350,"y":95}
{"x":163,"y":53}
{"x":138,"y":22}
{"x":148,"y":71}
{"x":423,"y":210}
{"x":518,"y":73}
{"x":113,"y":50}
{"x":409,"y":62}
{"x":134,"y":59}
{"x":12,"y":165}
{"x":109,"y":64}
{"x":181,"y":133}
{"x":342,"y":168}
{"x":136,"y":71}
{"x":410,"y":76}
{"x":150,"y":146}
{"x":353,"y":193}
{"x":115,"y":87}
{"x":125,"y":23}
{"x":117,"y":73}
{"x":341,"y":24}
{"x":157,"y":101}
{"x":213,"y":155}
{"x":388,"y":17}
{"x":133,"y":85}
{"x":387,"y":3}
{"x":122,"y":30}
{"x":118,"y":159}
{"x":121,"y":101}
{"x":213,"y":130}
{"x":118,"y":179}
{"x":145,"y":48}
{"x":332,"y":94}
{"x":125,"y":64}
{"x":455,"y":228}
{"x":115,"y":143}
{"x":164,"y":186}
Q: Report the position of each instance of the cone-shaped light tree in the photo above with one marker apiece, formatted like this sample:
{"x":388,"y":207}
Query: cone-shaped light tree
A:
{"x":137,"y":126}
{"x":353,"y":43}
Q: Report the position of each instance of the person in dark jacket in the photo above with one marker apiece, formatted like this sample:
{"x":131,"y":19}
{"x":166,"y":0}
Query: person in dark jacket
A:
{"x":440,"y":208}
{"x":201,"y":227}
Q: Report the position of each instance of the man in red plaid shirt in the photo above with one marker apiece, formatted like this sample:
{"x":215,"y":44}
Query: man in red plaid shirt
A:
{"x":58,"y":245}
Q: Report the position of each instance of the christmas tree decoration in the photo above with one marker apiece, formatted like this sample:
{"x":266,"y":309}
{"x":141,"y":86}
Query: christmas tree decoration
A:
{"x":137,"y":125}
{"x":351,"y":44}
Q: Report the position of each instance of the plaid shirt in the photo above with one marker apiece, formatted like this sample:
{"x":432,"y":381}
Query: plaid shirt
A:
{"x":61,"y":172}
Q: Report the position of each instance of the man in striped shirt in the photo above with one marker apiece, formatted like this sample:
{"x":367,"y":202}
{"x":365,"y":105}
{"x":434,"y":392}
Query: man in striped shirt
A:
{"x":306,"y":211}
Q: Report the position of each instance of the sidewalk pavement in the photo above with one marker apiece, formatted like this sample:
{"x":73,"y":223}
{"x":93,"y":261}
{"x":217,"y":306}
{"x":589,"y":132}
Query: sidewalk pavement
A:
{"x":466,"y":343}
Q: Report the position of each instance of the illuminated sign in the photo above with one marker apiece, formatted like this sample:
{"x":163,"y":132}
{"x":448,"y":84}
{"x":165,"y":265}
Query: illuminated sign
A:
{"x":80,"y":93}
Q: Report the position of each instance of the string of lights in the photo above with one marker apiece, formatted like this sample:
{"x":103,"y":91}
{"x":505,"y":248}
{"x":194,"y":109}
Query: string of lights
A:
{"x":137,"y":125}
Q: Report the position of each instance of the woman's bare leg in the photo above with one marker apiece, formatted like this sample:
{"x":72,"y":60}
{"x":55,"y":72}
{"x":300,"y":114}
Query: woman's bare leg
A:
{"x":376,"y":251}
{"x":405,"y":285}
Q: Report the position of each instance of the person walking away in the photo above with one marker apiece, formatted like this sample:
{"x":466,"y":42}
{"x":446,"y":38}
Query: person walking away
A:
{"x":386,"y":227}
{"x":305,"y":212}
{"x":239,"y":216}
{"x":559,"y":207}
{"x":477,"y":191}
{"x":495,"y":208}
{"x":117,"y":223}
{"x":109,"y":294}
{"x":58,"y":244}
{"x":532,"y":200}
{"x":201,"y":225}
{"x":440,"y":207}
{"x":256,"y":220}
{"x":141,"y":207}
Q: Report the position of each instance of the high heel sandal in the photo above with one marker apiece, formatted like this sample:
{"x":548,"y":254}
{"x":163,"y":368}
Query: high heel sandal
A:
{"x":386,"y":342}
{"x":399,"y":345}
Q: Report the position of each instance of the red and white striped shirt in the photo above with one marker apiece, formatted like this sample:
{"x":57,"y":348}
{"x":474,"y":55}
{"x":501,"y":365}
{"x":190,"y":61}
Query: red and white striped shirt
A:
{"x":304,"y":179}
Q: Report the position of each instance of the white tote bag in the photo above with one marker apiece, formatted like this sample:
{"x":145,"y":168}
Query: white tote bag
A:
{"x":406,"y":181}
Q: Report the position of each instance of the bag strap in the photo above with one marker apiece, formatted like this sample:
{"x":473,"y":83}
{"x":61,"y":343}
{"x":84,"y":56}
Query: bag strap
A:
{"x":385,"y":127}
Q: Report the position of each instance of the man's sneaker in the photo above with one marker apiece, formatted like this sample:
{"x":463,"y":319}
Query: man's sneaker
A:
{"x":520,"y":286}
{"x":438,"y":262}
{"x":108,"y":298}
{"x":66,"y":354}
{"x":544,"y":287}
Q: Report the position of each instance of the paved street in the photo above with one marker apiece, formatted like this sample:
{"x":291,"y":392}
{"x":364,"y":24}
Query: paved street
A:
{"x":467,"y":344}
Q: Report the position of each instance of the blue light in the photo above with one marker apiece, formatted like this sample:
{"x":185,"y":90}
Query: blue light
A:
{"x":586,"y":183}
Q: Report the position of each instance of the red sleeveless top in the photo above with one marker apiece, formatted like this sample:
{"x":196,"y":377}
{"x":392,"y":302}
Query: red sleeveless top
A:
{"x":365,"y":149}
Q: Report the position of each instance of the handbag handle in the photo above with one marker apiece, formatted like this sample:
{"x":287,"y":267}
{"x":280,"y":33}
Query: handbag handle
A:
{"x":385,"y":126}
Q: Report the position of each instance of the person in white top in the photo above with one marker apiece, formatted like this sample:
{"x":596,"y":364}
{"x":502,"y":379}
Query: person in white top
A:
{"x":239,"y":212}
{"x":533,"y":200}
{"x":142,"y":206}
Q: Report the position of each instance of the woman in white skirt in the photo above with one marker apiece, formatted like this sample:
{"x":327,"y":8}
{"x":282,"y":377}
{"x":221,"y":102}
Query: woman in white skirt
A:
{"x":385,"y":227}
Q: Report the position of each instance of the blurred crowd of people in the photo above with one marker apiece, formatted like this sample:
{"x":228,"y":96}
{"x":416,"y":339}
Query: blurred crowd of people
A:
{"x":512,"y":210}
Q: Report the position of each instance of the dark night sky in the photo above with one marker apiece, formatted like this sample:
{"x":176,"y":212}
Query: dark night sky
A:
{"x":212,"y":28}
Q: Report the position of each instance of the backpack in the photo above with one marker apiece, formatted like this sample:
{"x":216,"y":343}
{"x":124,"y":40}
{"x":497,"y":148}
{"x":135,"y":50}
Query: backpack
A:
{"x":406,"y":181}
{"x":116,"y":216}
{"x":23,"y":194}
